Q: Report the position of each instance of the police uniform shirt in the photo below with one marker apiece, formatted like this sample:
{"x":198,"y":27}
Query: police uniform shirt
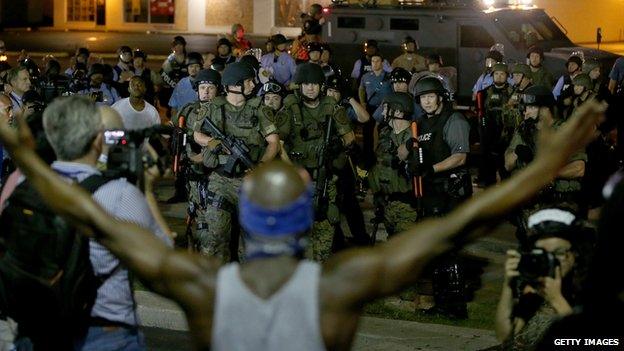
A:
{"x":376,"y":86}
{"x":357,"y":67}
{"x":283,"y":66}
{"x":456,"y":134}
{"x":183,"y":94}
{"x":617,"y":72}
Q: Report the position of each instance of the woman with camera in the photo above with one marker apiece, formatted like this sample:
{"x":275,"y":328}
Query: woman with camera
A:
{"x":543,"y":282}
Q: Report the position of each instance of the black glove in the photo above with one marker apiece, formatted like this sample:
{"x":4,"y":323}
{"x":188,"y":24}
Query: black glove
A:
{"x":417,"y":165}
{"x":525,"y":154}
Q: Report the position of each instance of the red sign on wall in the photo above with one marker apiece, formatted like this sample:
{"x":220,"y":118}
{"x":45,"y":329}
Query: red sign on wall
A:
{"x":162,"y":7}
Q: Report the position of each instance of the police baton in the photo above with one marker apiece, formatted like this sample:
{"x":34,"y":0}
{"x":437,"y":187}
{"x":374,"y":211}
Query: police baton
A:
{"x":417,"y":181}
{"x":178,"y":143}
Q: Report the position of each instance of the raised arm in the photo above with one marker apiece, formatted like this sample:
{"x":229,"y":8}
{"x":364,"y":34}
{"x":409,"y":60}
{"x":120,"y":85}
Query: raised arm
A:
{"x":358,"y":276}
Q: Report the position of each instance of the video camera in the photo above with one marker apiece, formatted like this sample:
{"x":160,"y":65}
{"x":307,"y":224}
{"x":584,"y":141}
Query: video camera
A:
{"x":126,"y":157}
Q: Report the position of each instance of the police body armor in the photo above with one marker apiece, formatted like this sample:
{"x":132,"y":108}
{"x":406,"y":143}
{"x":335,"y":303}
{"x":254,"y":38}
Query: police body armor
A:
{"x":455,"y":182}
{"x":242,"y":124}
{"x":194,"y":113}
{"x":308,"y":130}
{"x":365,"y":66}
{"x":497,"y":117}
{"x":178,"y":71}
{"x":388,"y":176}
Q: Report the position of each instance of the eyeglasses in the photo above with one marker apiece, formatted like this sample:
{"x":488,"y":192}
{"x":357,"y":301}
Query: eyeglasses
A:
{"x":271,"y":88}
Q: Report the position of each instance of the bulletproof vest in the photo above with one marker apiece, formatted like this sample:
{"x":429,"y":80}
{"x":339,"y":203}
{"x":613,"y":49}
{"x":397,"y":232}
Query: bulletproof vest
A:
{"x":431,"y":137}
{"x":388,"y":175}
{"x":241,"y":123}
{"x":568,"y":87}
{"x":365,"y":67}
{"x":308,"y":129}
{"x":516,"y":95}
{"x":495,"y":99}
{"x":178,"y":70}
{"x":194,"y":113}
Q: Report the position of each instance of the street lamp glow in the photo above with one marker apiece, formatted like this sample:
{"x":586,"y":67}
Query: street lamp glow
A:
{"x":489,"y":3}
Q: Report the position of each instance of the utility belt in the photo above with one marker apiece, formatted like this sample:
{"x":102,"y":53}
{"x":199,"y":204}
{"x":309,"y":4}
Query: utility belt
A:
{"x":103,"y":322}
{"x":236,"y":174}
{"x":456,"y":184}
{"x":208,"y":198}
{"x":407,"y":198}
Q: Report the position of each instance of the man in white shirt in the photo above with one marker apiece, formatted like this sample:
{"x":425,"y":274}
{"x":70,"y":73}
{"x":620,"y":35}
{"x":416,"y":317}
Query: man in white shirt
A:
{"x":135,"y":112}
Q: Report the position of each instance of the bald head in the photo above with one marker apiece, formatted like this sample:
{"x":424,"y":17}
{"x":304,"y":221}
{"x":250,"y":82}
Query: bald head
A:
{"x":275,"y":184}
{"x":111,"y":118}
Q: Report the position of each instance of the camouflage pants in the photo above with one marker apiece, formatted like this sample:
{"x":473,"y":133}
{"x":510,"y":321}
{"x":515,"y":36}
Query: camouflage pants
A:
{"x":398,"y":217}
{"x":199,"y":212}
{"x":222,"y":205}
{"x":323,"y":232}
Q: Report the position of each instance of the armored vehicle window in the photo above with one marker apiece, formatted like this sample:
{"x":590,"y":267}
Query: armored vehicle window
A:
{"x":351,"y":22}
{"x":527,"y":28}
{"x":475,"y":37}
{"x":403,"y":24}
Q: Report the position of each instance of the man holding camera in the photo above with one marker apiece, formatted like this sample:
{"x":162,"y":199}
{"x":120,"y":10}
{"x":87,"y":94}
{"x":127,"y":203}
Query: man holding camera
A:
{"x":99,"y":91}
{"x":541,"y":283}
{"x":241,"y":118}
{"x":73,"y":126}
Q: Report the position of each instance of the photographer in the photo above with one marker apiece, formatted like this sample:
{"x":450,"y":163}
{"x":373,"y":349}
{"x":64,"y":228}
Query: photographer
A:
{"x":543,"y":283}
{"x":73,"y":126}
{"x":99,"y":92}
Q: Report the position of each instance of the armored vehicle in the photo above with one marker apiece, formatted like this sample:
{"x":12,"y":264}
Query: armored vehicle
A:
{"x":461,"y":31}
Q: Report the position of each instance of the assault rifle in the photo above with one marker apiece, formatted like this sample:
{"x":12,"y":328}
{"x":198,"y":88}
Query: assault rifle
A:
{"x":237,"y":149}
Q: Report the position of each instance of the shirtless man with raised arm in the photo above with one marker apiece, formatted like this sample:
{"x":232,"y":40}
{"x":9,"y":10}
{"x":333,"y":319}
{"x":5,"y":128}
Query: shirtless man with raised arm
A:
{"x":275,"y":300}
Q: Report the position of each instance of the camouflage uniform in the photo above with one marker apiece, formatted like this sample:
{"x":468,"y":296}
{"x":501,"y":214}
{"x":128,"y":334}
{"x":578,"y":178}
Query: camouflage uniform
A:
{"x":197,"y":174}
{"x":250,"y":123}
{"x":543,"y":77}
{"x":391,"y":187}
{"x":307,"y":128}
{"x":496,"y":131}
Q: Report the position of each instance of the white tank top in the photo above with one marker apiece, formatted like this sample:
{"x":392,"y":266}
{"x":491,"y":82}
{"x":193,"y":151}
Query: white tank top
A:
{"x":288,"y":320}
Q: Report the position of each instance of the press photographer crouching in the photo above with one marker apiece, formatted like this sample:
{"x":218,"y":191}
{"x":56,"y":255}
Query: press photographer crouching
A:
{"x":543,"y":282}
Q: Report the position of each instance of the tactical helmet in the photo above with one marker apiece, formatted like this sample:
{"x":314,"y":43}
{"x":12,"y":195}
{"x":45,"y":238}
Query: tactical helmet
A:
{"x":400,"y":102}
{"x":536,"y":49}
{"x":400,"y":75}
{"x":523,"y":69}
{"x":316,"y":9}
{"x":495,"y":55}
{"x":96,"y":68}
{"x":178,"y":40}
{"x":309,"y":73}
{"x":336,"y":82}
{"x":138,"y":53}
{"x":583,"y":80}
{"x":278,"y":39}
{"x":207,"y":76}
{"x":430,"y":84}
{"x":235,"y":73}
{"x":194,"y":58}
{"x":314,"y":46}
{"x":252,"y":61}
{"x":500,"y":67}
{"x":538,"y":95}
{"x":273,"y":87}
{"x":408,"y":40}
{"x":124,"y":49}
{"x":371,"y":43}
{"x":224,"y":41}
{"x":577,"y":57}
{"x":83,"y":52}
{"x":590,"y":65}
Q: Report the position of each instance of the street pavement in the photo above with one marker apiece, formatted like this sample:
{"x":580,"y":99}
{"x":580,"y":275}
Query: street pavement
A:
{"x":165,"y":327}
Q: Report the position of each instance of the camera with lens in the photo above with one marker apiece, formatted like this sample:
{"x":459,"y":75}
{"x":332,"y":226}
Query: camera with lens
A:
{"x":126,"y":157}
{"x":97,"y":96}
{"x":535,"y":264}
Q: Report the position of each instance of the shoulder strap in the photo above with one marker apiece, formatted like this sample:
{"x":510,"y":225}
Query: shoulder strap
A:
{"x":93,"y":183}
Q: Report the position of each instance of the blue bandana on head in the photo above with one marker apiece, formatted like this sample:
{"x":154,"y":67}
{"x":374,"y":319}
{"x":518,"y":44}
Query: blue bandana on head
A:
{"x":276,"y":231}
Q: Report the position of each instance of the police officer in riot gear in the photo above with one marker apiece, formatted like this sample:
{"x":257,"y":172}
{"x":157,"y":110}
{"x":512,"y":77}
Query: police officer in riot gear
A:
{"x":393,"y":197}
{"x":494,"y":131}
{"x":443,"y":135}
{"x":309,"y":146}
{"x":207,"y":84}
{"x":564,"y":88}
{"x":540,"y":75}
{"x":240,"y":115}
{"x":583,"y":90}
{"x":173,"y":69}
{"x":315,"y":49}
{"x":273,"y":94}
{"x":399,"y":78}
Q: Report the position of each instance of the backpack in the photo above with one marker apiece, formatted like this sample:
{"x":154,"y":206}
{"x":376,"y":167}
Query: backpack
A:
{"x":48,"y":283}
